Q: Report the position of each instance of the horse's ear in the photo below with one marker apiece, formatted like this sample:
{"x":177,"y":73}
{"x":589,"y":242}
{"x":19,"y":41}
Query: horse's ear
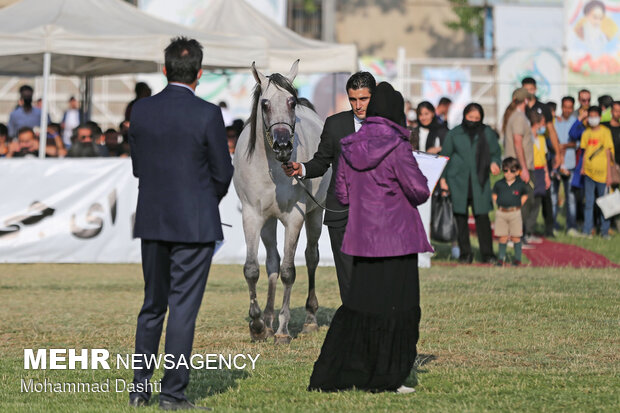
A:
{"x":260,"y":78}
{"x":292,"y":74}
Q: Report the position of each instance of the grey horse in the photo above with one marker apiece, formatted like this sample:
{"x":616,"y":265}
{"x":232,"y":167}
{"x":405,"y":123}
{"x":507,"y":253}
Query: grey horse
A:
{"x":279,"y":130}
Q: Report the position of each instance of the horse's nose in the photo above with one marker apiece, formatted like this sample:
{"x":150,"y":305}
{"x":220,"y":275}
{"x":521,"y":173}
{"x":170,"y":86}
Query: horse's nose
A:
{"x":281,"y":137}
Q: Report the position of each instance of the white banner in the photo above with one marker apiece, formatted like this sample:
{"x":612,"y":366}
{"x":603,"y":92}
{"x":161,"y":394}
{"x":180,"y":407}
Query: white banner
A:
{"x":449,"y":82}
{"x":82,"y":211}
{"x":59,"y":210}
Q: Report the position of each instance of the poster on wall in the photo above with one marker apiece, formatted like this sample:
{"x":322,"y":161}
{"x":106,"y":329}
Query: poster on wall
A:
{"x":544,"y":65}
{"x":451,"y":83}
{"x":593,"y":44}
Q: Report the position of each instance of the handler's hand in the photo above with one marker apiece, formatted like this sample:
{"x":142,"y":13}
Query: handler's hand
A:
{"x":495,"y":169}
{"x":292,"y":169}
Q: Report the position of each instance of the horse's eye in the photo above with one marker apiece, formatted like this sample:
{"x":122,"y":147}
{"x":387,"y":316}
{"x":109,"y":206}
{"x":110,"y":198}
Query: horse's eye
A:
{"x":264,"y":103}
{"x":292,"y":102}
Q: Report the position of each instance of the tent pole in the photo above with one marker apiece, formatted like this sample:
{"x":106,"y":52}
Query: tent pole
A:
{"x":47,"y":59}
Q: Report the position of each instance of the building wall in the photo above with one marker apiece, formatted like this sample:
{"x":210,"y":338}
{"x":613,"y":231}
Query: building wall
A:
{"x":379,"y":27}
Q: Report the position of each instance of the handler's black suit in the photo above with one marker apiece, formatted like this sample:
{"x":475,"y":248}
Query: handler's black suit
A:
{"x":336,"y":127}
{"x":180,"y":155}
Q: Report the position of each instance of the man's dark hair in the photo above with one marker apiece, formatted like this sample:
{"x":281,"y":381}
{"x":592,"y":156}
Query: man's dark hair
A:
{"x":4,"y":131}
{"x":528,"y":81}
{"x":605,"y":101}
{"x":142,"y":90}
{"x":569,"y":98}
{"x":361,"y":80}
{"x":183,"y":60}
{"x":55,"y":126}
{"x":583,"y":91}
{"x":535,"y":117}
{"x":592,"y":5}
{"x":444,"y":101}
{"x":25,"y":94}
{"x":616,"y":102}
{"x":26,"y":89}
{"x":511,"y":163}
{"x":596,"y":109}
{"x":552,"y":106}
{"x":25,"y":129}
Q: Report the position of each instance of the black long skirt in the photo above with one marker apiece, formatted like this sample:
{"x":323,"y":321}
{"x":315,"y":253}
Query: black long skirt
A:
{"x":371,"y":342}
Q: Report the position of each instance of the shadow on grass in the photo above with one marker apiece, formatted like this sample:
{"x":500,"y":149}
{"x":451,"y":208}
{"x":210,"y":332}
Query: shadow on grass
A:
{"x":298,"y":317}
{"x":205,"y":383}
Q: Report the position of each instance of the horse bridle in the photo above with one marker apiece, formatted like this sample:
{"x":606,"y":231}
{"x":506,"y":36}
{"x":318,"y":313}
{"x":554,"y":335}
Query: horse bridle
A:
{"x":269,"y":136}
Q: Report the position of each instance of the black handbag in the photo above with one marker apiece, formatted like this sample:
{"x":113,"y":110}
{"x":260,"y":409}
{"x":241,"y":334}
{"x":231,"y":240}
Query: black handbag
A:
{"x":443,"y":224}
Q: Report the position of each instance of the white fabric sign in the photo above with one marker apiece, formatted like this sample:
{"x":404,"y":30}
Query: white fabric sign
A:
{"x":59,"y":210}
{"x":82,"y":211}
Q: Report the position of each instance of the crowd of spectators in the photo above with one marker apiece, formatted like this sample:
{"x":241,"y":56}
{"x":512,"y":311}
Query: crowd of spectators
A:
{"x":564,"y":158}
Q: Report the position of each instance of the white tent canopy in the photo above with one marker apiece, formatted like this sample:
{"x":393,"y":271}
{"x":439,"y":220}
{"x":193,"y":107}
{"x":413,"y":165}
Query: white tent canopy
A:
{"x":285,"y":46}
{"x":102,"y":37}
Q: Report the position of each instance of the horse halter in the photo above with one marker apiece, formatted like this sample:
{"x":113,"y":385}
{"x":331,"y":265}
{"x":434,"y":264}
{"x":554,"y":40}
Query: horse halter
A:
{"x":269,"y":136}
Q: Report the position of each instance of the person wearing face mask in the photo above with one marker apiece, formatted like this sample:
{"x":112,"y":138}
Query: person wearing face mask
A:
{"x":430,"y":132}
{"x":25,"y":114}
{"x":474,"y":150}
{"x":596,"y":141}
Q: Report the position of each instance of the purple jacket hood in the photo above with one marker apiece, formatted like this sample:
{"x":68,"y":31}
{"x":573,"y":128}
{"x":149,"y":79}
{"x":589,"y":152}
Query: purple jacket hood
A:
{"x":372,"y":143}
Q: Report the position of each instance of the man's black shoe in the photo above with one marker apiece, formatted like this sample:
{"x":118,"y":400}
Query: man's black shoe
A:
{"x":138,"y":401}
{"x":466,"y":258}
{"x":180,"y":405}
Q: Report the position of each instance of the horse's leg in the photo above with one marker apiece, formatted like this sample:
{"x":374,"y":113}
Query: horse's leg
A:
{"x":313,"y":232}
{"x":293,"y":226}
{"x":269,"y":236}
{"x":252,"y":224}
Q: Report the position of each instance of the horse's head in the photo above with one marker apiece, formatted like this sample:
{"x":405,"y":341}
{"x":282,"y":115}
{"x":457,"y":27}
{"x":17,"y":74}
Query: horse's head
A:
{"x":277,"y":101}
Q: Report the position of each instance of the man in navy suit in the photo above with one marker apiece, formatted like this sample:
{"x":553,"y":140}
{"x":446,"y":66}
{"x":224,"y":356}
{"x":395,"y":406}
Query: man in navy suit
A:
{"x":180,"y":156}
{"x":360,"y":87}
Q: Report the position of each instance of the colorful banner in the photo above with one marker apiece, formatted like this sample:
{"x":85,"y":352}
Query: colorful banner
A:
{"x":452,"y":83}
{"x":593,"y":46}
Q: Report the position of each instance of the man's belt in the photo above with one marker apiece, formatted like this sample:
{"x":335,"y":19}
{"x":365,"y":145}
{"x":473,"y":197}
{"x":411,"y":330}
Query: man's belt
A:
{"x":514,"y":208}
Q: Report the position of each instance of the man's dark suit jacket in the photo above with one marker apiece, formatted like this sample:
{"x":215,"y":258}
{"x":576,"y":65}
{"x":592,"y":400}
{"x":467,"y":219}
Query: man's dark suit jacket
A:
{"x":336,"y":127}
{"x":179,"y":153}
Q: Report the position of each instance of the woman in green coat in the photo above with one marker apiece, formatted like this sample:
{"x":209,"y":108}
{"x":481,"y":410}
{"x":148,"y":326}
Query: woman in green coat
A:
{"x":474,"y":151}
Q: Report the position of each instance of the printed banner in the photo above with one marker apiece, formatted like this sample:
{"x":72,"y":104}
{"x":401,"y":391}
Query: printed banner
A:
{"x":57,"y":210}
{"x":593,"y":45}
{"x":452,"y":83}
{"x":83,"y":210}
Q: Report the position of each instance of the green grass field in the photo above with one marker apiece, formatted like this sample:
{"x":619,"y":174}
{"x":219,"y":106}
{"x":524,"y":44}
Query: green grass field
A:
{"x":492,"y":339}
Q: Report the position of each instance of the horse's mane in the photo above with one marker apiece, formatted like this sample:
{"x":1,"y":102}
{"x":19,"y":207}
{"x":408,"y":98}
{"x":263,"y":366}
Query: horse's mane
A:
{"x":278,"y":80}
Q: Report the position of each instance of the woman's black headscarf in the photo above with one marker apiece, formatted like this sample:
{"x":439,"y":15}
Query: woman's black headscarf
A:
{"x":483,"y":154}
{"x":387,"y":103}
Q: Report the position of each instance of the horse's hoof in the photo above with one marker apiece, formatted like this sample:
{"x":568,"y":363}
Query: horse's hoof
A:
{"x":282,"y":339}
{"x":310,"y":328}
{"x":269,"y":332}
{"x":258,"y":332}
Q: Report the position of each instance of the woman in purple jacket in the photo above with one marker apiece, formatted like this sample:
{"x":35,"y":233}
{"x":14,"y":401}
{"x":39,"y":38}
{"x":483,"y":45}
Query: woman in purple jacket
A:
{"x":371,"y":343}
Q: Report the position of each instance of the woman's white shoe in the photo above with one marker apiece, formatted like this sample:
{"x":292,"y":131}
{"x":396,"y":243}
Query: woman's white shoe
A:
{"x":405,"y":390}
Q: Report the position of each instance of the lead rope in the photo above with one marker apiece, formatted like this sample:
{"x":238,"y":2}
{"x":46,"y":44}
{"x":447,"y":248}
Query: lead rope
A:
{"x":299,"y":181}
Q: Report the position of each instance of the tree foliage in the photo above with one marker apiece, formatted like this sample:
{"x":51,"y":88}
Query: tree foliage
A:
{"x":468,"y":18}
